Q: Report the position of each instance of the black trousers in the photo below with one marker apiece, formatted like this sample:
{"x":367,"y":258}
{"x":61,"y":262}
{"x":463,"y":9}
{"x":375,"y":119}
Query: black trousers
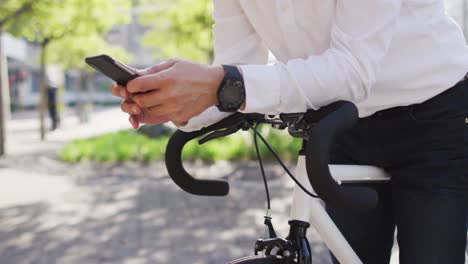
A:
{"x":424,"y":148}
{"x":52,"y":106}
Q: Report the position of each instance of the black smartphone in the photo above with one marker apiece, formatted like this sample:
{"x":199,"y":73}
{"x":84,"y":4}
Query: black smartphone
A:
{"x":112,"y":68}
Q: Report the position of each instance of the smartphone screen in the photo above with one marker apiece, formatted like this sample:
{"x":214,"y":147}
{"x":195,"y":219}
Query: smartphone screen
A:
{"x":112,"y":68}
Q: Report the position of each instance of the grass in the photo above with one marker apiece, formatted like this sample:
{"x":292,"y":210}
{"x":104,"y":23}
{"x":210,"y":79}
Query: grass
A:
{"x":128,"y":145}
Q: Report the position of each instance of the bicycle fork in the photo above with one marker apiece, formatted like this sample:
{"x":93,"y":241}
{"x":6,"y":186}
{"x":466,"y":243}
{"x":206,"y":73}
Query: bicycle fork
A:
{"x":306,"y":209}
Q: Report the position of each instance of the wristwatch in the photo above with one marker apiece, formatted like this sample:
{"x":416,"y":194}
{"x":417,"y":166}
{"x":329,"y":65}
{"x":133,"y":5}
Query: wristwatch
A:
{"x":231,"y":91}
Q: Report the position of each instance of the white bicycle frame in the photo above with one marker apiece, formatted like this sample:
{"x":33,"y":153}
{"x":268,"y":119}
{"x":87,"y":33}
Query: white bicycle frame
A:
{"x":311,"y":210}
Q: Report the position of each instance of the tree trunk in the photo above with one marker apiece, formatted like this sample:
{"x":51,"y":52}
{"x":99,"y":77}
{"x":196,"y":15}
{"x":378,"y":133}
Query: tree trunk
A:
{"x":79,"y":98}
{"x":90,"y":90}
{"x":42,"y":89}
{"x":4,"y":91}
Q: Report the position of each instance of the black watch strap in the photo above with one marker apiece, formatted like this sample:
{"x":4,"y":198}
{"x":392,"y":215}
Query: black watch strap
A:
{"x":232,"y":72}
{"x":233,"y":84}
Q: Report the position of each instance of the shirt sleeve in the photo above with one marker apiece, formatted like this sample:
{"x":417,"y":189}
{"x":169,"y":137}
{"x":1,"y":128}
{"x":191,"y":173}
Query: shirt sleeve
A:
{"x":360,"y":38}
{"x":235,"y":43}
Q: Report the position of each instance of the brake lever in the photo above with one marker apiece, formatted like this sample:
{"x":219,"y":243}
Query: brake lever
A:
{"x":218,"y":134}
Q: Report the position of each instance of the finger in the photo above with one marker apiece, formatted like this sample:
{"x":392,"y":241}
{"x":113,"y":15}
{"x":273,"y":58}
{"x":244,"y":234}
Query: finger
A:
{"x":135,"y":70}
{"x":118,"y":90}
{"x":149,"y":99}
{"x":145,"y":83}
{"x":180,"y":124}
{"x":157,"y":68}
{"x":134,"y":121}
{"x":130,"y":108}
{"x":163,"y":109}
{"x":146,"y":118}
{"x":152,"y":119}
{"x":178,"y":117}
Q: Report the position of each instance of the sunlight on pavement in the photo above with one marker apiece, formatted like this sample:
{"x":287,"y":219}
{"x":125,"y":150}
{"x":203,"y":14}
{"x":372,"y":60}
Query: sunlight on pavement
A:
{"x":19,"y":188}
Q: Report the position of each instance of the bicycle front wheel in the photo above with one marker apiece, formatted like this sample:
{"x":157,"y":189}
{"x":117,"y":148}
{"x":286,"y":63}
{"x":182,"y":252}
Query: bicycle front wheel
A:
{"x":259,"y":260}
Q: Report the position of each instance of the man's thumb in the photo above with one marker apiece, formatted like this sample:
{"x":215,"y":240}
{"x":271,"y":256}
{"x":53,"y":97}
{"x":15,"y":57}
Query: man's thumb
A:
{"x":157,"y":68}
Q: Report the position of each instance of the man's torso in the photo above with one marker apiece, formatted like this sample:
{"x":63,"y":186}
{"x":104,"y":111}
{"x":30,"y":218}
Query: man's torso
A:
{"x":427,"y":54}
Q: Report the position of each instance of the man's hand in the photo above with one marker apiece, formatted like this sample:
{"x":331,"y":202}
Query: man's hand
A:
{"x":175,"y":90}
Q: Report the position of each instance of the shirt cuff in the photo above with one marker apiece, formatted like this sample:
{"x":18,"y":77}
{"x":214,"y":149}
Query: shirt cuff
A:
{"x":262,"y":89}
{"x":208,"y":117}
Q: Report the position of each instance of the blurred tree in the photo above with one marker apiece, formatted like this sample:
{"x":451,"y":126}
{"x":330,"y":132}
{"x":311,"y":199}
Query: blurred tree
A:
{"x":10,"y":10}
{"x":51,"y":21}
{"x":4,"y":98}
{"x":70,"y":53}
{"x":182,"y":28}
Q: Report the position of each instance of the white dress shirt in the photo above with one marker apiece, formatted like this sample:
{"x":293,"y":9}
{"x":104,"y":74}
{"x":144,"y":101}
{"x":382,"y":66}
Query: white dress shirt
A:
{"x":376,"y":53}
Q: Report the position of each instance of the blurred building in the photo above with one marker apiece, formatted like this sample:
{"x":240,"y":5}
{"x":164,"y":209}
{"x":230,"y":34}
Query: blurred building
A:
{"x":22,"y":72}
{"x":129,"y":37}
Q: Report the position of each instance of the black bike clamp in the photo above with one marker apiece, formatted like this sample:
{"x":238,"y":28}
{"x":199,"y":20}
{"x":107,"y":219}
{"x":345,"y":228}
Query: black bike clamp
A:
{"x":276,"y":247}
{"x":295,"y":248}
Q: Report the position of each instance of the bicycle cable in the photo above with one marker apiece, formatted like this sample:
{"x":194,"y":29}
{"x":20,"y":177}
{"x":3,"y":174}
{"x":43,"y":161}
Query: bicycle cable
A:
{"x":267,"y":217}
{"x":279,"y":161}
{"x":262,"y":170}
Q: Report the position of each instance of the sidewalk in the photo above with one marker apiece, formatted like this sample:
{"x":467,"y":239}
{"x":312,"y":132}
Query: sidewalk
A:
{"x":24,"y":148}
{"x":23,"y":131}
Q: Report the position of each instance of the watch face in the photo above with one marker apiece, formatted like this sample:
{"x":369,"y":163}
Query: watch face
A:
{"x":232,"y":92}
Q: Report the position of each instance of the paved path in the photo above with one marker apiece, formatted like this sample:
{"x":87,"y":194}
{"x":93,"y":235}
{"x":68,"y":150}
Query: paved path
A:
{"x":133,"y":214}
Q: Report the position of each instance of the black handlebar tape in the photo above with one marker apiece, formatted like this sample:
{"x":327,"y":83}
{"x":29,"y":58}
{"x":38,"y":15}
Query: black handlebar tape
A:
{"x":174,"y":160}
{"x":181,"y":177}
{"x":342,"y":117}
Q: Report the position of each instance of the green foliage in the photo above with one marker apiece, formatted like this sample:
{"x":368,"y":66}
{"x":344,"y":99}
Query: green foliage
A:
{"x":73,"y":28}
{"x":129,"y":145}
{"x":51,"y":20}
{"x":71,"y":51}
{"x":181,"y":29}
{"x":115,"y":147}
{"x":13,"y":9}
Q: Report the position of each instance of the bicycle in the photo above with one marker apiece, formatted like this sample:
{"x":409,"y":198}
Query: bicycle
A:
{"x":317,"y":128}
